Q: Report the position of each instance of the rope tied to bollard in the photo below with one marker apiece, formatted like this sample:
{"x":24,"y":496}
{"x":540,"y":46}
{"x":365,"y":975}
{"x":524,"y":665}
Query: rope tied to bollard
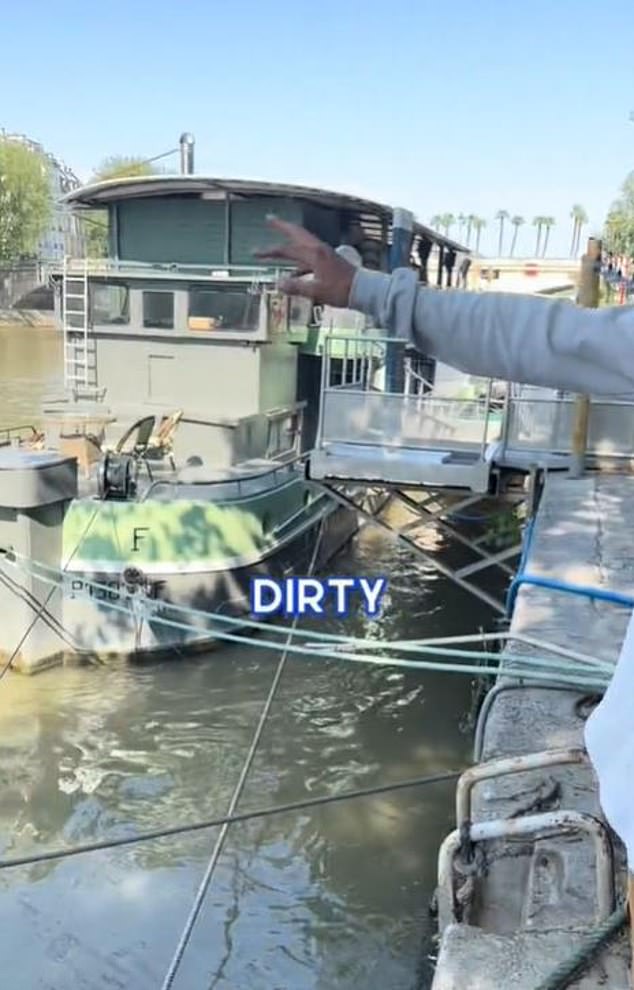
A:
{"x":563,"y":974}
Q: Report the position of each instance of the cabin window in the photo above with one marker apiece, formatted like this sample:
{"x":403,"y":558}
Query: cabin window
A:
{"x":109,"y":304}
{"x":224,"y":308}
{"x":158,"y":310}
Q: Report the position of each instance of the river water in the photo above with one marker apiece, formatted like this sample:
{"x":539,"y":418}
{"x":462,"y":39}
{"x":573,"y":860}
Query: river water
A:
{"x":331,"y":898}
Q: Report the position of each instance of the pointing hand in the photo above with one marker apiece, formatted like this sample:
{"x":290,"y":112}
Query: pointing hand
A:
{"x":332,"y":274}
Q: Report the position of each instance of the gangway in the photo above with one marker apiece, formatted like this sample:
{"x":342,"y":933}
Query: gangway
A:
{"x":432,"y":453}
{"x":415,"y":438}
{"x":438,"y":456}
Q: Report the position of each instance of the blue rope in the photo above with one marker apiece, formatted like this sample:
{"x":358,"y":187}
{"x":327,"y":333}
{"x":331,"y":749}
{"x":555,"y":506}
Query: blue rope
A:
{"x":585,"y":591}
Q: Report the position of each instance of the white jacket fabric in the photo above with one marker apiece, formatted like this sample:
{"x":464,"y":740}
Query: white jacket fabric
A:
{"x":534,"y":341}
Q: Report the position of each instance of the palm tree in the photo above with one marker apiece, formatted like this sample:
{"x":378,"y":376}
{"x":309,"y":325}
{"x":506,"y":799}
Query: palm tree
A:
{"x":461,"y":222}
{"x":470,"y":220}
{"x":436,"y":221}
{"x":579,"y":218}
{"x":517,"y":222}
{"x":478,"y":225}
{"x":447,"y":221}
{"x":583,"y":219}
{"x":539,"y":223}
{"x":501,"y":216}
{"x":548,"y":223}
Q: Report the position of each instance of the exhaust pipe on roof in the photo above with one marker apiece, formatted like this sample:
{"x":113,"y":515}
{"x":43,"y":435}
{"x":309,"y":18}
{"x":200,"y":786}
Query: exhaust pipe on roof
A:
{"x":187,"y":154}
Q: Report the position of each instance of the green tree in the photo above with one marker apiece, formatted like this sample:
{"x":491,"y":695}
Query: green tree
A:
{"x":122,"y":167}
{"x":461,"y":222}
{"x":470,"y":221}
{"x":478,"y":225}
{"x":114,"y":167}
{"x":447,"y":222}
{"x":579,"y":219}
{"x":619,"y":224}
{"x":25,"y":200}
{"x":548,"y":223}
{"x":517,"y":222}
{"x":501,"y":216}
{"x":539,"y":223}
{"x":443,"y":221}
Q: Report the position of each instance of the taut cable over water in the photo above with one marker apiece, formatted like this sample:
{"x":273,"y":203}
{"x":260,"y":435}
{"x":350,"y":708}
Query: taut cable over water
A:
{"x":234,"y":819}
{"x":237,"y":793}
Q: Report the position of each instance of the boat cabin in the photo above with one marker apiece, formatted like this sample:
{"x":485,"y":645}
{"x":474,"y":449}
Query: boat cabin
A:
{"x":180,"y":315}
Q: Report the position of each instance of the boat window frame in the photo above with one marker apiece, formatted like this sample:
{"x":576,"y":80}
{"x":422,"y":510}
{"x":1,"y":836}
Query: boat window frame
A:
{"x":109,"y":284}
{"x":147,"y":290}
{"x":262,"y":291}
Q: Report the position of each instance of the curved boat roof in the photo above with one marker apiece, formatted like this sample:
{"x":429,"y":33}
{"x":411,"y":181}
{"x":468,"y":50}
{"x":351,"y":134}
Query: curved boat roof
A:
{"x":99,"y":194}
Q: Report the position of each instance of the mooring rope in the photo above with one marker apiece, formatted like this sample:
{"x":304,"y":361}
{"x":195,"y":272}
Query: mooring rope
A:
{"x":563,"y":975}
{"x":201,"y":893}
{"x":578,"y":670}
{"x":43,"y":606}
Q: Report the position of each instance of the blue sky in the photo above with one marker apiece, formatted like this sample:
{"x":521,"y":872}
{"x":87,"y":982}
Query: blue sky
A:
{"x":437,"y":107}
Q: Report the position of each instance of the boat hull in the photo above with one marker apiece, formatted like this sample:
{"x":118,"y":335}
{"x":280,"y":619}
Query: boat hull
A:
{"x":137,"y":612}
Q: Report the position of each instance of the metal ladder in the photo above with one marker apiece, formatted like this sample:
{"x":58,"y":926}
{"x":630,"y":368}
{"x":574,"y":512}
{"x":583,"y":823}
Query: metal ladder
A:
{"x":75,"y":326}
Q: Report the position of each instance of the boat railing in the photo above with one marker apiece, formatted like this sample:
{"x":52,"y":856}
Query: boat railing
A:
{"x":256,"y":483}
{"x":543,"y":424}
{"x":117,"y":268}
{"x":355,"y":410}
{"x":415,"y":383}
{"x":20,"y":433}
{"x":363,"y":421}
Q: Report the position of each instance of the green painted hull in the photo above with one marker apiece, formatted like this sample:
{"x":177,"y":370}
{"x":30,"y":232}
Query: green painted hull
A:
{"x":184,"y":534}
{"x":196,"y":554}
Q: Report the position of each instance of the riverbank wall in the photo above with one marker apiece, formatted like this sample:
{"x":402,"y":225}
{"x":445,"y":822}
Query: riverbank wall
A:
{"x":515,"y":908}
{"x":26,"y":296}
{"x":28,"y":318}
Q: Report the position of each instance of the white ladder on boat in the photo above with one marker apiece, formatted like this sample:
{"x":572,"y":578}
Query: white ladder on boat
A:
{"x":75,"y":325}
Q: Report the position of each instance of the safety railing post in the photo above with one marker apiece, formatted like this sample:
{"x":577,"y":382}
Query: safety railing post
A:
{"x":587,"y":295}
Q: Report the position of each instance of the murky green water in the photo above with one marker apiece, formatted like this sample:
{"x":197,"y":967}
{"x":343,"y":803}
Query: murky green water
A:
{"x":332,"y":898}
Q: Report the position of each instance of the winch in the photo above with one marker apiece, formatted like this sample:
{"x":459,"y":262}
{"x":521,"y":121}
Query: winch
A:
{"x":118,"y":475}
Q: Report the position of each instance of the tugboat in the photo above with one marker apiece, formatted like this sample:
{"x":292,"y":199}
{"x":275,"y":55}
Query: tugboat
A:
{"x":191,"y":393}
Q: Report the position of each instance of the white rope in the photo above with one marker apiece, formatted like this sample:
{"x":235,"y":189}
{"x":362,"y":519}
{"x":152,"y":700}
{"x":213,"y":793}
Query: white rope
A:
{"x":590,"y":673}
{"x":432,"y":645}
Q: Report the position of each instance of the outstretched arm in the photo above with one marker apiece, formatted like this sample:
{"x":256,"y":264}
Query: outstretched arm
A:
{"x":516,"y":338}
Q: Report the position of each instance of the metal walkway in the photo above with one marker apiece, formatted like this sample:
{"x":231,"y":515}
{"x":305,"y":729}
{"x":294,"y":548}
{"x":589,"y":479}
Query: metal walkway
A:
{"x":413,"y":437}
{"x":438,"y":453}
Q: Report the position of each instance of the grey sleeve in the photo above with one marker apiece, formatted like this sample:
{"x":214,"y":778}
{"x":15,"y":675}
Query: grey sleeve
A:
{"x":551,"y":343}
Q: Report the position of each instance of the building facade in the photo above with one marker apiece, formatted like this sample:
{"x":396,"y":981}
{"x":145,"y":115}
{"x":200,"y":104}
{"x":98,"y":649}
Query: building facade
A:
{"x":64,"y":235}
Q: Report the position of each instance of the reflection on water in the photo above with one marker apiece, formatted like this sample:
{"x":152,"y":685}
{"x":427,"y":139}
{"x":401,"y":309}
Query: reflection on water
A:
{"x":332,"y":897}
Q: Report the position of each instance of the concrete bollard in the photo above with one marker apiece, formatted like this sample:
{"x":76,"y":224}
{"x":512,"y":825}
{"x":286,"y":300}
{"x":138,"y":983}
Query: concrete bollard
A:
{"x":35,"y":490}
